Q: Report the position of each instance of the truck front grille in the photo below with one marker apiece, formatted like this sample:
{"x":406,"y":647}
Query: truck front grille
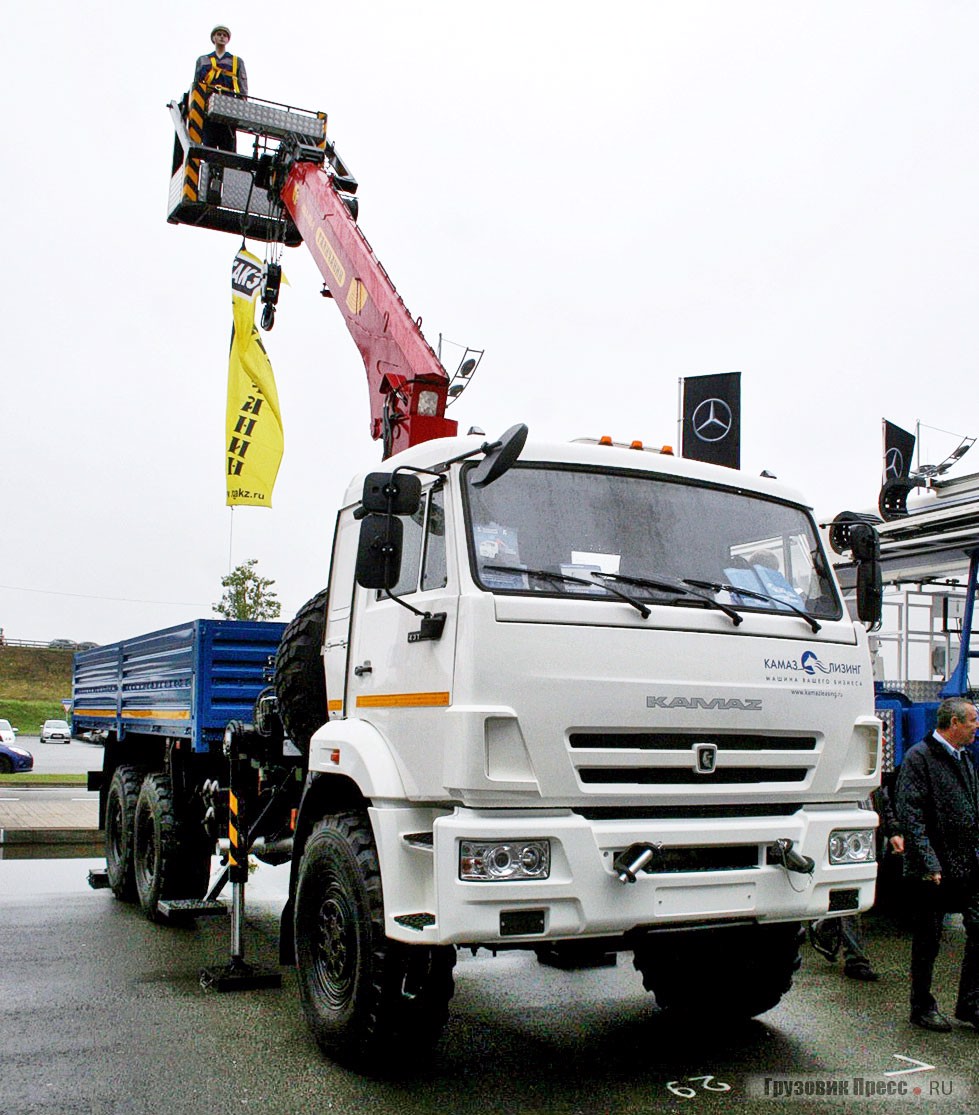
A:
{"x":679,"y":741}
{"x":694,"y":760}
{"x":666,"y":776}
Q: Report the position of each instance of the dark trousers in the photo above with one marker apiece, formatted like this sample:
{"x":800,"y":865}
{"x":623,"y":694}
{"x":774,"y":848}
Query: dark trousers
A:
{"x":928,"y":921}
{"x":219,"y":135}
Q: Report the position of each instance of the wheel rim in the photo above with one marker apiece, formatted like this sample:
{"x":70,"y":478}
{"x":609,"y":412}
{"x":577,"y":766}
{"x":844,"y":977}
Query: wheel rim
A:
{"x":335,"y":959}
{"x":146,"y":842}
{"x":113,"y":828}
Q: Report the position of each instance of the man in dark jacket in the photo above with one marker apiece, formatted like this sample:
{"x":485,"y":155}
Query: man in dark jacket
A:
{"x":938,"y":812}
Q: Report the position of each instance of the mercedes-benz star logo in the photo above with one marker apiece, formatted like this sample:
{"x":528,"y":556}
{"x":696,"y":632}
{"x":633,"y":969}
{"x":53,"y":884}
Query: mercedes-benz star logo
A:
{"x":893,"y":464}
{"x":712,"y":420}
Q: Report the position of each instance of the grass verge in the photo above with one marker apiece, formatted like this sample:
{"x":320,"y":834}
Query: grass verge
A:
{"x":29,"y":715}
{"x":32,"y":779}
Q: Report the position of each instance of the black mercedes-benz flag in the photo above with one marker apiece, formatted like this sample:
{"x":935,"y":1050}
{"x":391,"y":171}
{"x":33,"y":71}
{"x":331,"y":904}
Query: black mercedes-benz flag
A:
{"x":898,"y":451}
{"x":711,"y":412}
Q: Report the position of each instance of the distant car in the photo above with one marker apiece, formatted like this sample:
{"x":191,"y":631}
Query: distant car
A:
{"x":13,"y":760}
{"x":55,"y":731}
{"x":62,"y":644}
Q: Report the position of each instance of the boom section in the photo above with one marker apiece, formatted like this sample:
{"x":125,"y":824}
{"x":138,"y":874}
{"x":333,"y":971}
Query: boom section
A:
{"x":408,"y":385}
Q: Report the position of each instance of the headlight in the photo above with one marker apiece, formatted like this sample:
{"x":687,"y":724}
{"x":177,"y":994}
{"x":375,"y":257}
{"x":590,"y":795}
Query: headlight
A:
{"x":851,"y":846}
{"x":506,"y":861}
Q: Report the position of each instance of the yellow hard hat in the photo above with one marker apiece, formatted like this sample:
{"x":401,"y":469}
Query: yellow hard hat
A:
{"x":220,"y":27}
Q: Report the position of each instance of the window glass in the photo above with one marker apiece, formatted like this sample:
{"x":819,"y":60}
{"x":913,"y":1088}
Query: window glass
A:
{"x":411,"y":552}
{"x":434,"y":575}
{"x":554,"y":530}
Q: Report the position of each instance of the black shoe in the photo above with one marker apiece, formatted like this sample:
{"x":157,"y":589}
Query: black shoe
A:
{"x":825,"y":937}
{"x":860,"y":969}
{"x":931,"y":1019}
{"x":969,"y":1017}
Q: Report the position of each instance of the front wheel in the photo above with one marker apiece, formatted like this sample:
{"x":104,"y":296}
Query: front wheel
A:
{"x":368,"y":1000}
{"x":729,"y":972}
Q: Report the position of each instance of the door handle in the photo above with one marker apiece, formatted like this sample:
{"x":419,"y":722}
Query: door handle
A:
{"x":365,"y":669}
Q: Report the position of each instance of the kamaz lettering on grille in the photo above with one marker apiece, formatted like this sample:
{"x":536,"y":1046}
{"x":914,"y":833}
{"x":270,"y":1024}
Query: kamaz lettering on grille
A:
{"x":723,"y":703}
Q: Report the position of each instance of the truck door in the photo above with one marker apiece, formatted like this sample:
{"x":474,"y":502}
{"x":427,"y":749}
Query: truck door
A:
{"x":397,"y":679}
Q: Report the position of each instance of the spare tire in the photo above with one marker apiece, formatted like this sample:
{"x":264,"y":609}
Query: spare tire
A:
{"x":300,"y":681}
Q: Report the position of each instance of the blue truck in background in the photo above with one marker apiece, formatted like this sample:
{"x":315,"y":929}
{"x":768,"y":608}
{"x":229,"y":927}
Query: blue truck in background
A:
{"x":929,"y":560}
{"x":162,"y":703}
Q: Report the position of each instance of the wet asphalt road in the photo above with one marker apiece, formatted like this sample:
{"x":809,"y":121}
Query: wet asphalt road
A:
{"x":102,"y":1012}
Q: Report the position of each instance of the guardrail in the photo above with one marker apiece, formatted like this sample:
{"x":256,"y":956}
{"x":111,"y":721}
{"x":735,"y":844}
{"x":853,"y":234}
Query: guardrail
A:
{"x":45,"y":644}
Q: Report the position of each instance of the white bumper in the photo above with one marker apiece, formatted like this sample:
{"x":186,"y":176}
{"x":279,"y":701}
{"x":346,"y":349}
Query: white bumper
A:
{"x":425,"y":901}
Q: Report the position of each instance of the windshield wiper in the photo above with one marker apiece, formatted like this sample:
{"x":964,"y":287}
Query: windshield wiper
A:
{"x":547,"y":575}
{"x":671,"y":586}
{"x":719,"y":587}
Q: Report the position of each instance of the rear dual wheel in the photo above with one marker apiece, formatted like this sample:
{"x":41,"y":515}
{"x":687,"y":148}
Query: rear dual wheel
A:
{"x":170,"y":860}
{"x":120,"y":810}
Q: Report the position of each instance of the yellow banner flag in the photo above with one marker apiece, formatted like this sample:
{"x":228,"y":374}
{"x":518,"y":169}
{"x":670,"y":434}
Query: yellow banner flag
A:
{"x":253,"y":433}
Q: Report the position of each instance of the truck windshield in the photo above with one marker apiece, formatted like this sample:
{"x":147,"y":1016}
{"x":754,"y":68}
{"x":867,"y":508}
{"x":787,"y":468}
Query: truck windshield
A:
{"x":657,"y":536}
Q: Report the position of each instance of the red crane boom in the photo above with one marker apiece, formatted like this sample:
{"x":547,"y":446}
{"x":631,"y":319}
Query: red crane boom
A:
{"x":294,"y":188}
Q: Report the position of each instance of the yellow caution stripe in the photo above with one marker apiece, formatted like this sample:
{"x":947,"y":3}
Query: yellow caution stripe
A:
{"x":157,"y":714}
{"x":334,"y":706}
{"x":403,"y":700}
{"x":137,"y":714}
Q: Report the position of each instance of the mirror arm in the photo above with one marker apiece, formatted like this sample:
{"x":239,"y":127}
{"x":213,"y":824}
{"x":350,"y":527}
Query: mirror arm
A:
{"x":404,"y":604}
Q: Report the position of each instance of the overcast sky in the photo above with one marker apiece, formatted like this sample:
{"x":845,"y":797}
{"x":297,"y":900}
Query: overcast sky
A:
{"x":604,"y":197}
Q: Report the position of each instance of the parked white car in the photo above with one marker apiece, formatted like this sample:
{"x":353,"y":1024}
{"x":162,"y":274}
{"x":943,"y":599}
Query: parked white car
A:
{"x":7,"y":733}
{"x":55,"y":731}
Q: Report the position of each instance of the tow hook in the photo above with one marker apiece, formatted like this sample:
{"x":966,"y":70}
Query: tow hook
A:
{"x":783,"y":854}
{"x":629,"y":863}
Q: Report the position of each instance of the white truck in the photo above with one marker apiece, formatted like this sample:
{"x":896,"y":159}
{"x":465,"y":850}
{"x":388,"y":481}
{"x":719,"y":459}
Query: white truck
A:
{"x":576,"y":698}
{"x":610,"y":700}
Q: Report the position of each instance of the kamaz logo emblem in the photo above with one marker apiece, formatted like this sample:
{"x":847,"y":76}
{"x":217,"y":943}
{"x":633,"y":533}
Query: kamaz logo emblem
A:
{"x":734,"y":704}
{"x":706,"y":757}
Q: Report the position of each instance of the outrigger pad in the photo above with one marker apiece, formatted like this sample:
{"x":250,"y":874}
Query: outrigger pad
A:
{"x":238,"y":976}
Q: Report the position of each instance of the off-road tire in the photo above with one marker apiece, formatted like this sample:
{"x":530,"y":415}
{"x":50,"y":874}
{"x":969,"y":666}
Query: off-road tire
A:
{"x":120,"y":813}
{"x":729,"y":973}
{"x":169,"y":861}
{"x":371,"y":1003}
{"x":300,"y":683}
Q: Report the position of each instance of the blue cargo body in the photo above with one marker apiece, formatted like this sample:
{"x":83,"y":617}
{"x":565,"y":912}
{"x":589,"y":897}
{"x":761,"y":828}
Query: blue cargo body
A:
{"x":183,"y":682}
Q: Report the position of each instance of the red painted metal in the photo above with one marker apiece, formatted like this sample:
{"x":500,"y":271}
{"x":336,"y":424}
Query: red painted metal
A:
{"x":408,"y":386}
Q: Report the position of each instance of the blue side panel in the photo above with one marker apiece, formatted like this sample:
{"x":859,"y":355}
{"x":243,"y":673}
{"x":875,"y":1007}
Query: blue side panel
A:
{"x":183,"y":682}
{"x":234,"y":665}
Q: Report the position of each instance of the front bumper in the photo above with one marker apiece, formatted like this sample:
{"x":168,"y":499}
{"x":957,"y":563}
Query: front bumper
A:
{"x":426,"y":902}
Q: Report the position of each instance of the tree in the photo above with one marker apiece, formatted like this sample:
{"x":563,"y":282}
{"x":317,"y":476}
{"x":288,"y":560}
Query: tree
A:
{"x":247,"y":595}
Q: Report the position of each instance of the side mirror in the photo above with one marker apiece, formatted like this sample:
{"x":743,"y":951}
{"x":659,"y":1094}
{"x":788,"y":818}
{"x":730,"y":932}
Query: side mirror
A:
{"x":500,"y":457}
{"x":397,"y":493}
{"x":379,"y":551}
{"x":865,"y":547}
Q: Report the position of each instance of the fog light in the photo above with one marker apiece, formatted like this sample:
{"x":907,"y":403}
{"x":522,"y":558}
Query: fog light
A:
{"x":506,"y":861}
{"x":851,"y":846}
